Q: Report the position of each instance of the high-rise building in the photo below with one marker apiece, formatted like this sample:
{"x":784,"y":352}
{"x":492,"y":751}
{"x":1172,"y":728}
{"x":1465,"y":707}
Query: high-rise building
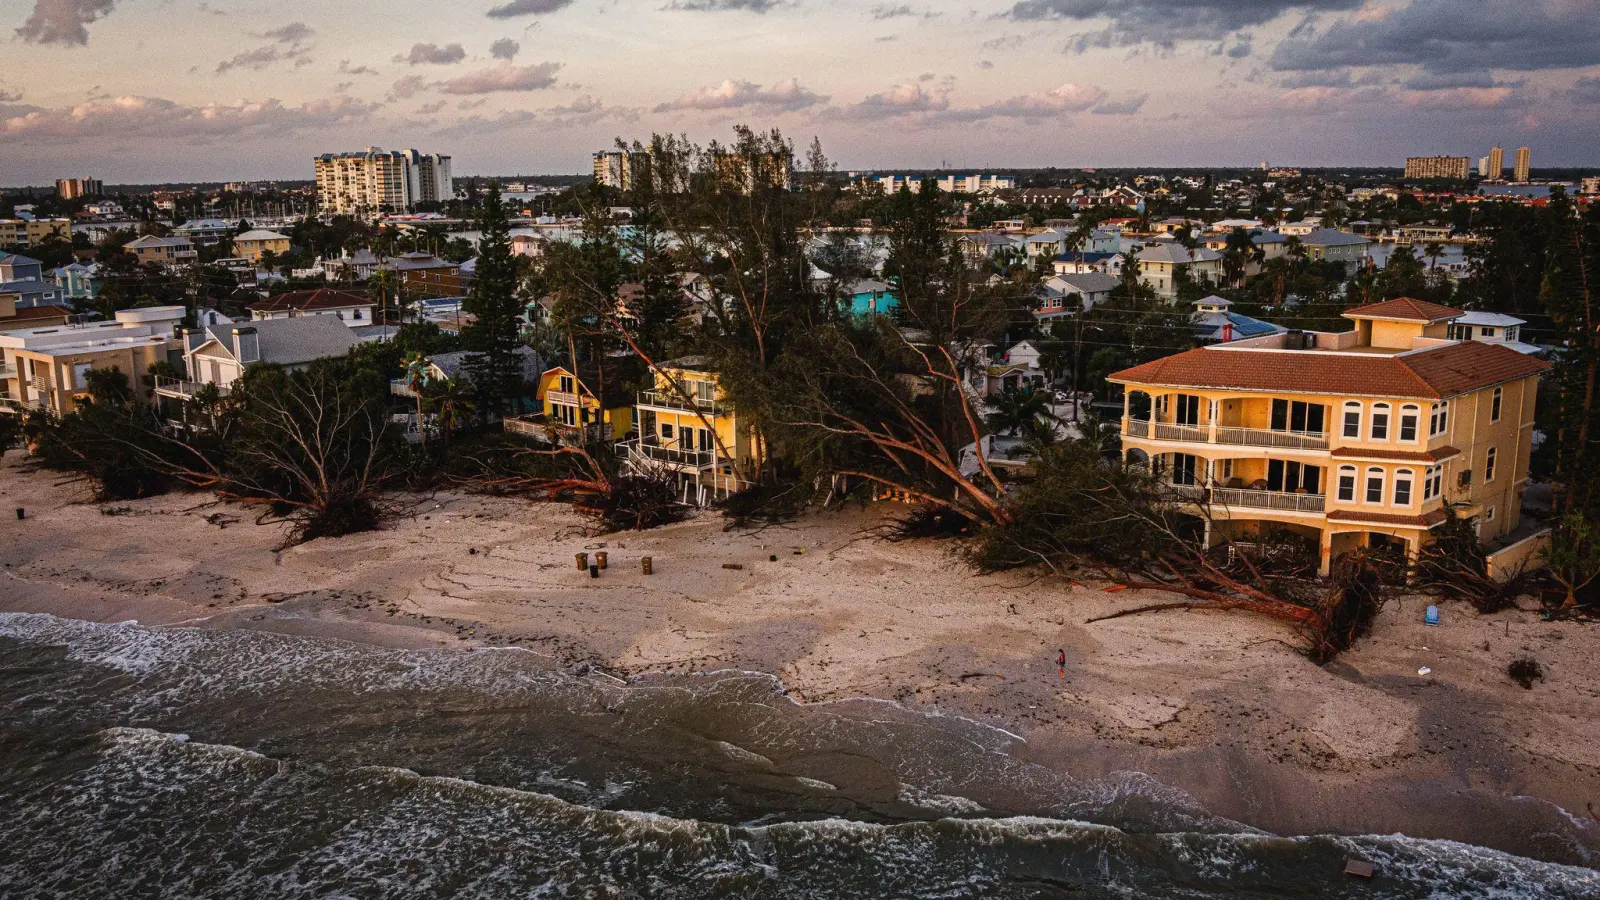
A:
{"x":74,"y":188}
{"x":1483,"y":167}
{"x":1590,"y":185}
{"x":620,"y":169}
{"x":1423,"y":167}
{"x":373,"y":181}
{"x":1497,"y":163}
{"x":1524,"y":164}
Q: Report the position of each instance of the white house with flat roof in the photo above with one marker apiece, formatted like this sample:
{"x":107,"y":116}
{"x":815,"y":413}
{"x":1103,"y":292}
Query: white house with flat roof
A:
{"x":1492,"y":328}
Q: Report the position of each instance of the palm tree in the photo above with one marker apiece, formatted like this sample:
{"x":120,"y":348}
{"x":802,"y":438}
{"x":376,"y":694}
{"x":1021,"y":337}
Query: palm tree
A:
{"x":1433,"y":250}
{"x":417,"y":381}
{"x":451,"y":402}
{"x":1237,"y":254}
{"x":1013,"y":411}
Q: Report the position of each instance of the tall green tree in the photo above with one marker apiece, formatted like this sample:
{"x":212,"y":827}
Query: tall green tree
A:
{"x":495,"y":332}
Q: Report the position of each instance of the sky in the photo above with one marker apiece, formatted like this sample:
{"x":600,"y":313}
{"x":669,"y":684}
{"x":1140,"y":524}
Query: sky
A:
{"x":134,"y":91}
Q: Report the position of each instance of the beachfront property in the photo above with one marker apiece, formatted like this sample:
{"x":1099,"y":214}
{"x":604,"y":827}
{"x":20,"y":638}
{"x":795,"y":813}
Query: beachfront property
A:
{"x":686,"y":425}
{"x":22,"y":281}
{"x":219,"y":353}
{"x":1352,"y":439}
{"x":47,"y":368}
{"x":1057,"y":292}
{"x":582,"y":406}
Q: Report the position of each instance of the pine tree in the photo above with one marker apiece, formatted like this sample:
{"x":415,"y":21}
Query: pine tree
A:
{"x":495,"y":332}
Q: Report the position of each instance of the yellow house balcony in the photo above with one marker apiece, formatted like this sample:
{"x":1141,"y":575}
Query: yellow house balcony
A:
{"x":1231,"y":435}
{"x":673,"y":400}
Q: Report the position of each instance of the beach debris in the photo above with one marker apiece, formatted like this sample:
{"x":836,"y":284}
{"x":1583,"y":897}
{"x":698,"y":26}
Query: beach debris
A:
{"x":472,"y":551}
{"x":583,"y":561}
{"x":1431,"y":617}
{"x":735,"y":566}
{"x":772,"y":558}
{"x":1525,"y":671}
{"x":1116,"y":587}
{"x":647,"y":565}
{"x":1424,"y":670}
{"x":970,"y":675}
{"x":600,"y":559}
{"x":1359,"y":868}
{"x":594,"y":571}
{"x":21,"y":513}
{"x":221,"y":520}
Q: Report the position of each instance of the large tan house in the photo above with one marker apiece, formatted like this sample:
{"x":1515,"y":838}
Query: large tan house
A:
{"x":1355,"y":439}
{"x":47,"y":368}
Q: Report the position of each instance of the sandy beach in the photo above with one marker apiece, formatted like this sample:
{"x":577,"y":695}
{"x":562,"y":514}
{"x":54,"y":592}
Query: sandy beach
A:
{"x":1217,"y":705}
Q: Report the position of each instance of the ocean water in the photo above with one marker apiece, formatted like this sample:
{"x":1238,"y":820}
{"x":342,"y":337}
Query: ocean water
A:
{"x":139,"y":762}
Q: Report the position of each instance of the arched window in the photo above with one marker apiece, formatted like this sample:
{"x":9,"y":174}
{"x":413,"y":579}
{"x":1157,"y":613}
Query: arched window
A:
{"x":1410,"y":415}
{"x":1402,"y":487}
{"x":1374,"y":485}
{"x":1352,"y":420}
{"x":1488,"y":465}
{"x":1347,"y":484}
{"x":1380,"y":422}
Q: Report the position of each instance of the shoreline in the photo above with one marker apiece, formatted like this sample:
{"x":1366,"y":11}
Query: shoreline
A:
{"x":1215,"y":705}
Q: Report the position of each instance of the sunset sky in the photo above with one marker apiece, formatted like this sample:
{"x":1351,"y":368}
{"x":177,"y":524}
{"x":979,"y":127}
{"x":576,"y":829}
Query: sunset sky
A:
{"x":147,"y":90}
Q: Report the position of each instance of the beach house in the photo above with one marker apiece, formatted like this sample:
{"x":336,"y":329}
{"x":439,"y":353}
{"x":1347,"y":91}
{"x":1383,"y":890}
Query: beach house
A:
{"x":1361,"y":438}
{"x":686,"y":425}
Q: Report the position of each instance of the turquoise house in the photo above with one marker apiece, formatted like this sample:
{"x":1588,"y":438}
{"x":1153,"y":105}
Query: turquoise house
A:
{"x":867,"y":297}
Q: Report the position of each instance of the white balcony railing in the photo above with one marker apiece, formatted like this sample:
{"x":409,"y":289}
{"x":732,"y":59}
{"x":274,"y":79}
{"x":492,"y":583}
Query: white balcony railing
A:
{"x":1226,"y":434}
{"x":1273,"y":500}
{"x":654,"y":451}
{"x":181,"y":389}
{"x":673,"y":400}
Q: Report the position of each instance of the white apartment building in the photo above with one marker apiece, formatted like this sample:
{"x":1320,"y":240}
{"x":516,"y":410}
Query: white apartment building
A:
{"x":374,"y":180}
{"x":976,"y":184}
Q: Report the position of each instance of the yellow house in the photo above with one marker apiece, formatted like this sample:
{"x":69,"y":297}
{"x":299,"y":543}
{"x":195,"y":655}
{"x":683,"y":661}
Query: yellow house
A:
{"x":253,"y":245}
{"x":584,"y":406}
{"x":687,"y":426}
{"x":1353,"y":439}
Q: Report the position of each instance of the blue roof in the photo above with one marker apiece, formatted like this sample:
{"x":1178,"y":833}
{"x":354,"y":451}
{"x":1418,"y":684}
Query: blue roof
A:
{"x":17,"y":259}
{"x":1243,"y":326}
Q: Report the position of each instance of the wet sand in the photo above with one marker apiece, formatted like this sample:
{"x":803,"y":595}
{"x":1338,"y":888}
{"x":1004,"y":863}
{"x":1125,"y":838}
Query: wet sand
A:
{"x":1214,"y":704}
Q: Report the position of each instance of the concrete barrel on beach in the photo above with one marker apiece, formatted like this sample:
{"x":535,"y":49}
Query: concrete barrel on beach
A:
{"x":583,"y":561}
{"x":645,"y":564}
{"x":600,"y":559}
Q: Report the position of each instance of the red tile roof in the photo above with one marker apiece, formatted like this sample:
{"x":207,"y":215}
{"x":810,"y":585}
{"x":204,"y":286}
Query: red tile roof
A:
{"x":322,"y":298}
{"x":38,"y":312}
{"x":1427,"y":520}
{"x":1443,"y":371}
{"x":1438,"y":454}
{"x":1405,"y":309}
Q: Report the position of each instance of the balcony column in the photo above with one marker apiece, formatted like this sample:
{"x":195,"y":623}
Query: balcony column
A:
{"x":1212,"y":409}
{"x":1127,"y":396}
{"x":1325,"y":552}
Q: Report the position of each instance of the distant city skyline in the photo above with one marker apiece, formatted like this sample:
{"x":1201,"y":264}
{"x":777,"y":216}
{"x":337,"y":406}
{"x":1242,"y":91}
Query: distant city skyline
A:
{"x":190,"y":90}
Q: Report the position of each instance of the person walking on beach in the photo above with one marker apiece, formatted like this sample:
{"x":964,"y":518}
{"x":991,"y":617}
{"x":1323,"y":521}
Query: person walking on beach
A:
{"x":1061,"y":662}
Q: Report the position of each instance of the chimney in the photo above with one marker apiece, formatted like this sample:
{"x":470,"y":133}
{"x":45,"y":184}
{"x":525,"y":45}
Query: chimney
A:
{"x":192,"y":338}
{"x":246,"y":346}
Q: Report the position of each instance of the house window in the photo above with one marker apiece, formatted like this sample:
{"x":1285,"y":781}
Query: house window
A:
{"x":1380,"y":422}
{"x":1188,"y":410}
{"x":1428,"y":483}
{"x":566,"y":384}
{"x":1402,"y":488}
{"x":1289,"y":477}
{"x":1488,"y":515}
{"x":1439,"y":419}
{"x":1297,"y":416}
{"x":1512,"y":333}
{"x":1374,"y":485}
{"x":1183,"y":468}
{"x":666,"y":430}
{"x":705,"y":440}
{"x":1408,"y":422}
{"x":1494,"y":404}
{"x":1488,"y":466}
{"x":1486,"y":332}
{"x":1352,"y":420}
{"x":356,"y":314}
{"x":1347,"y":484}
